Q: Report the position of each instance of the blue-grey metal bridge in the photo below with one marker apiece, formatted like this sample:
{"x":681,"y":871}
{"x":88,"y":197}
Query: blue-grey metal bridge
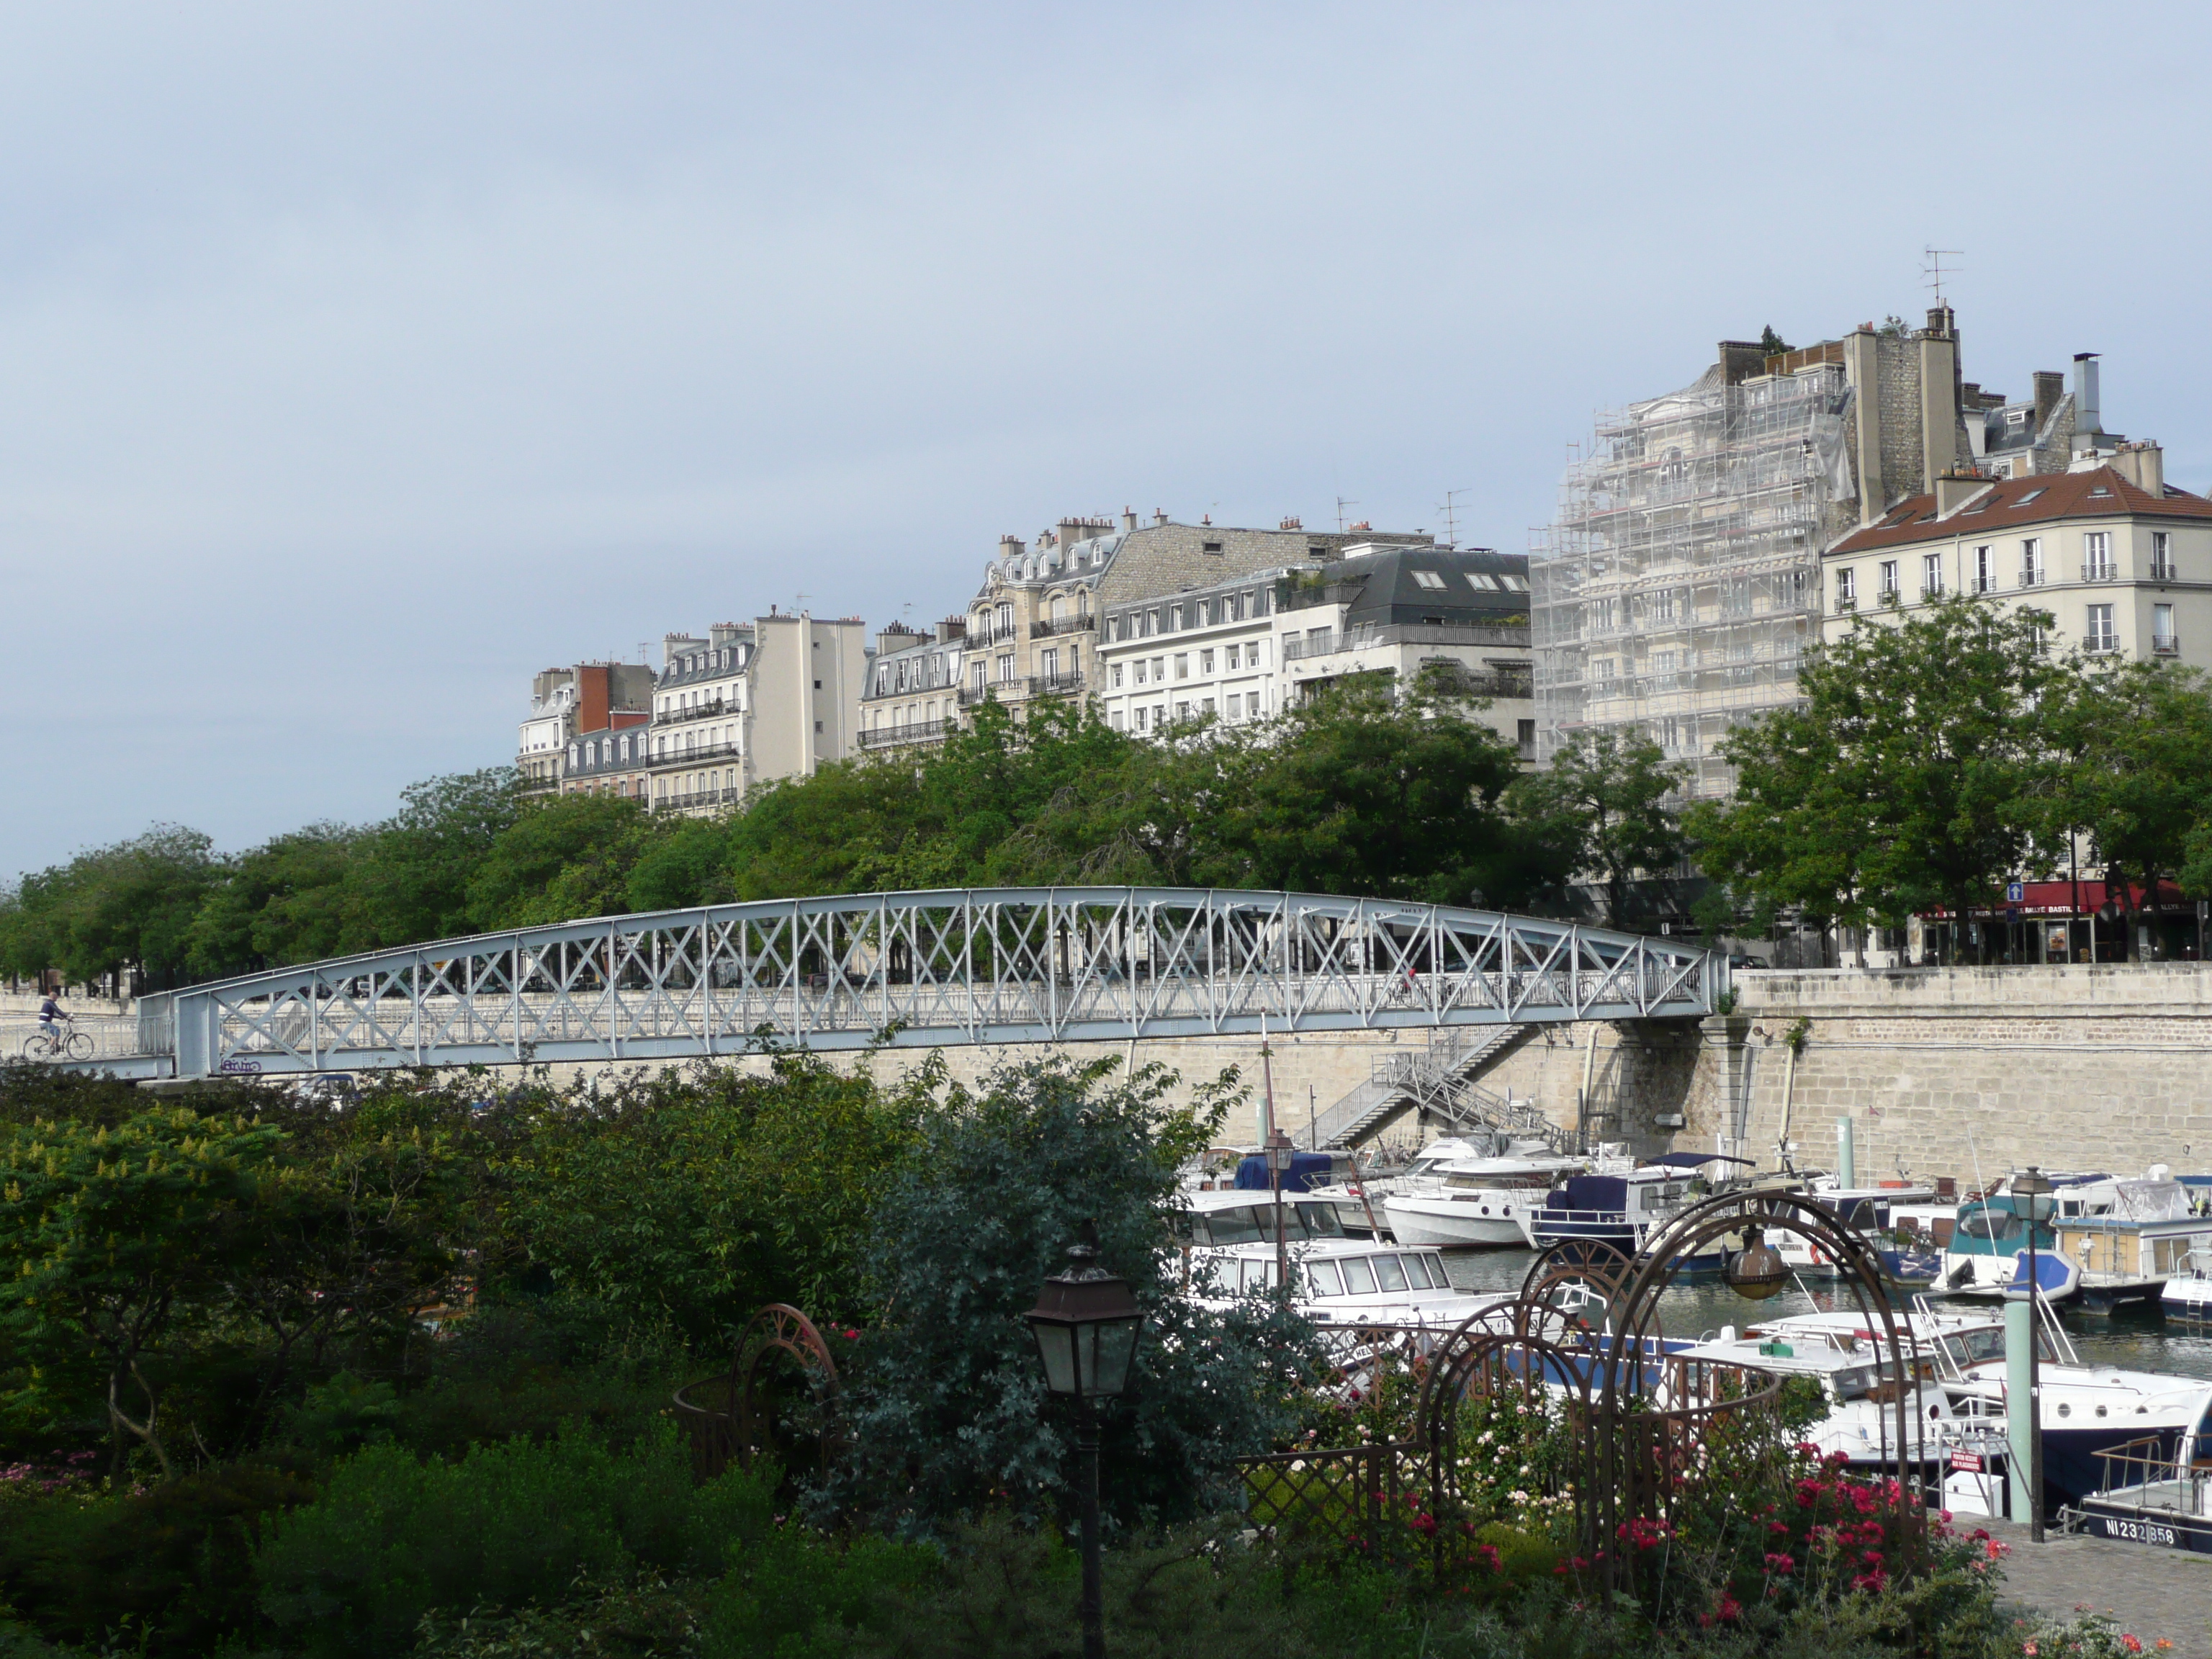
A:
{"x":984,"y":965}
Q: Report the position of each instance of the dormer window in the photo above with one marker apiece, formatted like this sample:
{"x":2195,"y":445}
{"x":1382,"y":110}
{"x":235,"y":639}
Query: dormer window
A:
{"x":2031,"y":495}
{"x":1428,"y":579}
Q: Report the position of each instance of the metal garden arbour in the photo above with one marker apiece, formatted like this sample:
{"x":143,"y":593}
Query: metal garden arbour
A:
{"x":933,"y":969}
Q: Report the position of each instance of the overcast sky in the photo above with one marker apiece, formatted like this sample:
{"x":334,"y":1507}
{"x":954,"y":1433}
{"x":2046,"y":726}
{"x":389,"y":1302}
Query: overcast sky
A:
{"x":358,"y":361}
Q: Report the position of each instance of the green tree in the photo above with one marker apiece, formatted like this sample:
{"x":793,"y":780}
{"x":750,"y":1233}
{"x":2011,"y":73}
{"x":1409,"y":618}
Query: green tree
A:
{"x":1770,"y":343}
{"x":1928,"y":726}
{"x":1368,"y":789}
{"x":704,"y":1193}
{"x":1602,"y":803}
{"x":563,"y":857}
{"x":946,"y":1402}
{"x":1792,"y":835}
{"x":129,"y":905}
{"x":282,"y":902}
{"x":2135,"y":746}
{"x":411,"y":879}
{"x":111,"y":1237}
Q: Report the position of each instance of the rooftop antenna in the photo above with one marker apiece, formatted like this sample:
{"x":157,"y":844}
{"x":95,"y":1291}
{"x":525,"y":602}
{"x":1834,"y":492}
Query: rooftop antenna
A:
{"x":1932,"y":273}
{"x":1451,"y":534}
{"x":800,"y":602}
{"x":644,"y":650}
{"x":1342,"y":502}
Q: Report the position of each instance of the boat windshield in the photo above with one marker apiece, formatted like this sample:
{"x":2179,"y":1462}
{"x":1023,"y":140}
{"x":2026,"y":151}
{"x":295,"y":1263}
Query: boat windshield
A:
{"x":1254,"y":1223}
{"x":1975,"y":1346}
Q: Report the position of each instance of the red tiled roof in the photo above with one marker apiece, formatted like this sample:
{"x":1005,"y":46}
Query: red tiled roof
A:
{"x":2034,"y":500}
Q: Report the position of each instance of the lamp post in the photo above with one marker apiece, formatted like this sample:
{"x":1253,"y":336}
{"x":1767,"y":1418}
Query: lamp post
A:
{"x":2034,"y":1186}
{"x":1086,"y":1323}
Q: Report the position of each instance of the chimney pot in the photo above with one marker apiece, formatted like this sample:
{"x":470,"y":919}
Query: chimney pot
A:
{"x":2088,"y":415}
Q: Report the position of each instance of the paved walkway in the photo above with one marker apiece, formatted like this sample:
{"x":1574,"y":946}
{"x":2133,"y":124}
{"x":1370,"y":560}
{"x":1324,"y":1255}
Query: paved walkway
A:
{"x":2149,"y":1593}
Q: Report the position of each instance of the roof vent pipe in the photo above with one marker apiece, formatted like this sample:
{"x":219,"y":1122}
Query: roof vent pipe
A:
{"x":2088,"y":411}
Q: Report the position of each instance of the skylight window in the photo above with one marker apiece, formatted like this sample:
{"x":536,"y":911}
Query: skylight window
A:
{"x":1482,"y":581}
{"x":2030,"y":496}
{"x":1515,"y":584}
{"x":1428,"y":579}
{"x":2101,"y":489}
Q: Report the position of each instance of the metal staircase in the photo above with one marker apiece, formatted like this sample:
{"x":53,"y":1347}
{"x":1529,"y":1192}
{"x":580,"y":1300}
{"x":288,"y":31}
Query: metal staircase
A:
{"x":1440,"y":1082}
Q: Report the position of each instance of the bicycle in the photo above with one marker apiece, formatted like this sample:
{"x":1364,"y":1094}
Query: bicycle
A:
{"x":71,"y":1044}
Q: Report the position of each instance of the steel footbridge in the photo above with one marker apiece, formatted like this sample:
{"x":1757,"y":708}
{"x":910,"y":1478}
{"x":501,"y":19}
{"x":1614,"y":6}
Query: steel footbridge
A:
{"x":920,"y":969}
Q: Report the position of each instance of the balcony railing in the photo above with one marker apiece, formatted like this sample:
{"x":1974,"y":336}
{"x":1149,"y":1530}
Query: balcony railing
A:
{"x":893,"y":737}
{"x":2096,"y":572}
{"x":1055,"y":685}
{"x":689,"y":756}
{"x":1294,"y":647}
{"x":1981,"y":584}
{"x":2164,"y":645}
{"x":705,"y":711}
{"x":2031,"y":576}
{"x":1930,"y":591}
{"x":2162,"y":571}
{"x":1052,"y":627}
{"x":692,"y":799}
{"x":972,"y":695}
{"x":2101,"y":645}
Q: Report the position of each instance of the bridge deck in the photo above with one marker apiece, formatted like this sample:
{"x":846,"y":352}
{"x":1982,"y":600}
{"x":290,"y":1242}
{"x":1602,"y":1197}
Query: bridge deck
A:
{"x":1002,"y":965}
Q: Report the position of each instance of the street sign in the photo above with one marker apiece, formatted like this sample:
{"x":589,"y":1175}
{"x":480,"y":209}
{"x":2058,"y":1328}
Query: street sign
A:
{"x":2015,"y":891}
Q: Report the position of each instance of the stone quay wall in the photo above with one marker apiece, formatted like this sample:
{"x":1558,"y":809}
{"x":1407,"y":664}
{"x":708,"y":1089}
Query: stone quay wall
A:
{"x":1949,"y":1071}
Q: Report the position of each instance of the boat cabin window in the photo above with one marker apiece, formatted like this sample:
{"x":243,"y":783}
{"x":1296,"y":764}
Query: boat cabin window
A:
{"x":1256,"y":1275}
{"x":1390,"y":1272}
{"x":1324,"y":1279}
{"x":1359,"y":1277}
{"x":1254,"y":1223}
{"x":1973,"y":1347}
{"x":1990,"y":1224}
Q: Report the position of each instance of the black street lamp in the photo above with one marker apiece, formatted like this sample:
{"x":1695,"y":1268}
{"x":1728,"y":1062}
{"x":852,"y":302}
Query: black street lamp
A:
{"x":2034,"y":1186}
{"x":1086,"y":1323}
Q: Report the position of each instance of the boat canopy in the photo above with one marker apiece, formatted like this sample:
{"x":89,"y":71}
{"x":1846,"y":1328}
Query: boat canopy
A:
{"x":1307,"y":1170}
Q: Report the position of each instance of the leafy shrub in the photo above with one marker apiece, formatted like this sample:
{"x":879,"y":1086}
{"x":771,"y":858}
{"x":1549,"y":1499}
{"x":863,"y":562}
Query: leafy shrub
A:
{"x":174,"y":1563}
{"x":946,"y":1405}
{"x":392,"y":1538}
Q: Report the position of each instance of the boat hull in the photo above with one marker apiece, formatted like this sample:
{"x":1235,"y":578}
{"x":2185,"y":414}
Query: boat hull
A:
{"x":1477,"y":1220}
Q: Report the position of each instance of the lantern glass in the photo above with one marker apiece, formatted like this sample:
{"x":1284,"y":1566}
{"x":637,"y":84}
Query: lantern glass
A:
{"x":1114,"y":1346}
{"x":1056,"y":1346}
{"x":2032,"y":1188}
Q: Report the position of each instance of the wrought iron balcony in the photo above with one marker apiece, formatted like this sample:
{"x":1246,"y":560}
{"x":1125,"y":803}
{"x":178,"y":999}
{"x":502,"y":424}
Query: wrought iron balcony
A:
{"x":2031,"y":576}
{"x":2162,"y":571}
{"x":1055,"y":685}
{"x":2101,"y":645}
{"x":2096,"y":571}
{"x":691,"y":756}
{"x":1051,"y":627}
{"x":972,"y":695}
{"x":705,"y":711}
{"x":893,"y":737}
{"x":2164,"y":645}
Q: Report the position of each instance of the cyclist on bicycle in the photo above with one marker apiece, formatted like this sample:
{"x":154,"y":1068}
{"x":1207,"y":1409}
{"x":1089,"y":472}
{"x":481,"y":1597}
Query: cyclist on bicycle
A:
{"x":50,"y":1016}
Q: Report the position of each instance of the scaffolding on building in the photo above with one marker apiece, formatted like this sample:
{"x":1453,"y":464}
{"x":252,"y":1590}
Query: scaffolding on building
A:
{"x":1680,"y":581}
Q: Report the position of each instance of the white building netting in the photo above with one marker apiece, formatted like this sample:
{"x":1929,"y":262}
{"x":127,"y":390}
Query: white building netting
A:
{"x":1681,"y":579}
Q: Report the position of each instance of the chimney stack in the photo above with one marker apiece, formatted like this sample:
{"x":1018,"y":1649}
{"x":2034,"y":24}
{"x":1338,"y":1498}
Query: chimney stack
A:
{"x":2050,"y":387}
{"x":1128,"y":519}
{"x":2088,"y":412}
{"x":1954,"y":490}
{"x":2143,"y":465}
{"x":1159,"y":515}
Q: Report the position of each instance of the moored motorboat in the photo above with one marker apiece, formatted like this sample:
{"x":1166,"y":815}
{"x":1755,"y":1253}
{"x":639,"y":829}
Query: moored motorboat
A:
{"x":1474,"y":1201}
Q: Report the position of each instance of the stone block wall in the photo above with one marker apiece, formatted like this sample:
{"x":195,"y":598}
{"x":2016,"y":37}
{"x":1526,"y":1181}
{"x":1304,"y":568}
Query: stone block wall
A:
{"x":2070,"y":1067}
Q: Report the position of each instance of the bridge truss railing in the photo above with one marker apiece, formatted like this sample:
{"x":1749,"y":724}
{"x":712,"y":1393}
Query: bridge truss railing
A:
{"x":928,"y":969}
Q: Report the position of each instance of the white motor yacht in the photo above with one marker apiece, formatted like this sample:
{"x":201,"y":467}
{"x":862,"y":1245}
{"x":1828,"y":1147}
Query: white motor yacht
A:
{"x":1475,"y":1200}
{"x":1345,"y":1282}
{"x":1360,"y":1200}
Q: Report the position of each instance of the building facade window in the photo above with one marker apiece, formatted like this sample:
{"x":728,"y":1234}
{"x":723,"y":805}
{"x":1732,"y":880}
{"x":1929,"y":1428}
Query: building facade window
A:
{"x":1985,"y":572}
{"x":1889,"y":579}
{"x":1931,"y":575}
{"x":2097,"y":557}
{"x":1847,"y":588}
{"x":2162,"y":639}
{"x":2162,"y":556}
{"x":2100,"y":635}
{"x":2031,"y":563}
